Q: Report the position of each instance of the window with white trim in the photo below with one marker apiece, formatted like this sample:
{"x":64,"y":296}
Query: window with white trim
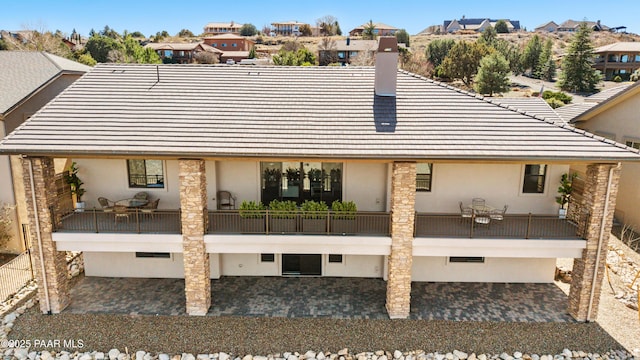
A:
{"x":633,"y":143}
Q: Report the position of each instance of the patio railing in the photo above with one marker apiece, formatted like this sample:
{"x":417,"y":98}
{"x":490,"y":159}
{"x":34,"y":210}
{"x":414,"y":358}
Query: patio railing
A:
{"x":131,"y":221}
{"x":274,"y":222}
{"x":519,"y":226}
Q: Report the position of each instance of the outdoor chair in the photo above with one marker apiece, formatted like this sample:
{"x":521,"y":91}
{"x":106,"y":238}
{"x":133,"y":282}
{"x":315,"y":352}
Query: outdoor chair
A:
{"x":226,"y":201}
{"x":141,"y":196}
{"x":151,"y":207}
{"x":498,"y":214}
{"x":106,"y":204}
{"x":465,"y":212}
{"x":120,"y":212}
{"x":482,"y":217}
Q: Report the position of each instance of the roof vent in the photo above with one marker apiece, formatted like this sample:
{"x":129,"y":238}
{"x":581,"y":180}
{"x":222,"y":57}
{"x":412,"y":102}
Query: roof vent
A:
{"x":386,"y":66}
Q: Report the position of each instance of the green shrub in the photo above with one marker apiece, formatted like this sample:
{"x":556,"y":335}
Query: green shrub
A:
{"x":554,"y":103}
{"x":344,"y":209}
{"x":617,"y":78}
{"x":559,"y":95}
{"x":283,"y":209}
{"x":314,"y":209}
{"x":252,"y":209}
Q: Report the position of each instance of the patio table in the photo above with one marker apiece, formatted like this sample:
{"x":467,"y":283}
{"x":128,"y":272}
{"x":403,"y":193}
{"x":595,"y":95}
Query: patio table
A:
{"x":132,"y":202}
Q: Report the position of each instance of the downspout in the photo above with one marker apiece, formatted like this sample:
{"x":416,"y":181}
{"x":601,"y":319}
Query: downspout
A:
{"x":594,"y":281}
{"x":37,"y":223}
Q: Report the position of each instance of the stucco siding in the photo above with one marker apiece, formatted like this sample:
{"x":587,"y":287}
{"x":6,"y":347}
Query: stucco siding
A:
{"x":365,"y":184}
{"x":512,"y":270}
{"x":126,"y":264}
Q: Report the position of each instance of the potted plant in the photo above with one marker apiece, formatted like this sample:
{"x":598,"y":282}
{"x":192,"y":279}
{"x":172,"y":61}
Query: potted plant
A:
{"x":282,"y":216}
{"x":252,"y":216}
{"x":314,"y":216}
{"x":565,"y":189}
{"x":71,"y":178}
{"x":344,"y":217}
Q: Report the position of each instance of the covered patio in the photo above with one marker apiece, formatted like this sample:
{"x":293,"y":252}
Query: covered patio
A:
{"x":342,"y":298}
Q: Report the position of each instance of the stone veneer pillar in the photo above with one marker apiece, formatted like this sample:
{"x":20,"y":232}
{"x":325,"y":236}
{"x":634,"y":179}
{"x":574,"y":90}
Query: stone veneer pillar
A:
{"x":593,"y":202}
{"x":55,"y":292}
{"x":403,"y":198}
{"x":193,"y":204}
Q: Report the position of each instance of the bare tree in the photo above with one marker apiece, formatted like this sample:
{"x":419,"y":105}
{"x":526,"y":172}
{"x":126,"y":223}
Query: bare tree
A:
{"x":327,"y":51}
{"x":205,"y":57}
{"x":328,"y":25}
{"x":364,"y":58}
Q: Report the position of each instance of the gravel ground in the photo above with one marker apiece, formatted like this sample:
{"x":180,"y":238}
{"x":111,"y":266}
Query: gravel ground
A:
{"x":238,"y":335}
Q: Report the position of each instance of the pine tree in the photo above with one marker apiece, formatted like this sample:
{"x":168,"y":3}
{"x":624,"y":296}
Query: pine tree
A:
{"x":546,"y":67}
{"x":577,"y":73}
{"x":531,"y":55}
{"x":493,"y":75}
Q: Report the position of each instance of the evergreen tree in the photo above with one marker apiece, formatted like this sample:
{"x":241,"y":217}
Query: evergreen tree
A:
{"x":577,"y":74}
{"x":531,"y":56}
{"x":502,"y":27}
{"x":369,"y":32}
{"x":248,"y":30}
{"x":463,"y":60}
{"x":438,"y":49}
{"x":493,"y":75}
{"x":489,"y":36}
{"x":403,"y":37}
{"x":547,"y":67}
{"x":252,"y":53}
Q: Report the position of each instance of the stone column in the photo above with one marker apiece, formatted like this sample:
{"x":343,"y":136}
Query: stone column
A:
{"x":51,"y":272}
{"x":193,"y":205}
{"x":403,"y":198}
{"x":593,"y":202}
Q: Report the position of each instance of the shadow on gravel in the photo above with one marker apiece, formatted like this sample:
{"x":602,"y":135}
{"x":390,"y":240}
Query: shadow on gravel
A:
{"x":262,"y":336}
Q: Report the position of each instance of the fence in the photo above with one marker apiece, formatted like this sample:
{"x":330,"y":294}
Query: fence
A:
{"x":15,"y":274}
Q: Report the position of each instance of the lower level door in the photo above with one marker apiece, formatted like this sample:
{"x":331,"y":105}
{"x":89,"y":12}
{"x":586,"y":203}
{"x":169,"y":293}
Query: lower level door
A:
{"x":302,"y":264}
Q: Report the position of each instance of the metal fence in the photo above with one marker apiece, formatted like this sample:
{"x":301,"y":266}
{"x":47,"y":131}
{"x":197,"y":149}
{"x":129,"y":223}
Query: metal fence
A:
{"x":15,"y":274}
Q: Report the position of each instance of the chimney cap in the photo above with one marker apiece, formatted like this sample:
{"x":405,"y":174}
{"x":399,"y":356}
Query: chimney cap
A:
{"x":388,"y":44}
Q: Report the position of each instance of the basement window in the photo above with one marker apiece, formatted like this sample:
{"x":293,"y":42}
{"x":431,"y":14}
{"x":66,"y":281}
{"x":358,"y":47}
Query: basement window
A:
{"x":153,"y":255}
{"x":466,"y":259}
{"x":335,"y":258}
{"x":267,"y":258}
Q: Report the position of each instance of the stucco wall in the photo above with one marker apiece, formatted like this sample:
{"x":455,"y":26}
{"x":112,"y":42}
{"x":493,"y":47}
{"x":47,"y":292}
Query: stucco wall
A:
{"x":365,"y":184}
{"x":241,"y":178}
{"x":623,"y":122}
{"x":498,"y":184}
{"x":126,"y":264}
{"x":520,"y":270}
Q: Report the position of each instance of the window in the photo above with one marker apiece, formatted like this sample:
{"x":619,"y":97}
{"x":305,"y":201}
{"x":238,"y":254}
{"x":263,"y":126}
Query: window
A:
{"x":624,"y":58}
{"x":154,"y":255}
{"x":267,"y":258}
{"x":234,"y":45}
{"x":633,"y":143}
{"x":214,"y":44}
{"x":637,"y":58}
{"x":466,"y":259}
{"x":613,"y":58}
{"x":335,"y":258}
{"x":145,"y":173}
{"x":423,"y":177}
{"x":224,"y":44}
{"x":300,"y":181}
{"x":168,"y":53}
{"x":534,"y":176}
{"x":341,"y":54}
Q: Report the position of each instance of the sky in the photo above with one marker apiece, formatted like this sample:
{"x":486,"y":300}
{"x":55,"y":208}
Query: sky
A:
{"x":150,"y":17}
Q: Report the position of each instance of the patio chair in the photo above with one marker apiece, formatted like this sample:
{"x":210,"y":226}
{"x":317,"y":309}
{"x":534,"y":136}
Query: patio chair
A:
{"x":106,"y":204}
{"x":226,"y":201}
{"x":120,"y":212}
{"x":482,"y":217}
{"x":465,"y":212}
{"x":498,"y":214}
{"x":151,"y":207}
{"x":477,"y":202}
{"x":141,"y":196}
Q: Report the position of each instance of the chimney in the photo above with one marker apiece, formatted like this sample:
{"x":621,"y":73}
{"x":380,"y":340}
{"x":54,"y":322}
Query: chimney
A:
{"x":386,"y":66}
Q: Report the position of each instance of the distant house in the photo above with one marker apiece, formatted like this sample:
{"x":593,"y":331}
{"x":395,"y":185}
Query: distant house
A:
{"x":233,"y":47}
{"x":287,"y":28}
{"x":572,"y":25}
{"x":181,"y":53}
{"x":29,"y":81}
{"x":619,"y":59}
{"x":551,"y":26}
{"x":380,"y":29}
{"x":216,"y":28}
{"x":477,"y":24}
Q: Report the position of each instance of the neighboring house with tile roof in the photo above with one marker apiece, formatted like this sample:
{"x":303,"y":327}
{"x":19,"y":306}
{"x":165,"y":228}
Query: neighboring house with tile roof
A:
{"x":234,"y":47}
{"x":28,"y":80}
{"x":346,"y":51}
{"x":617,"y":118}
{"x":551,"y":26}
{"x":182,"y":53}
{"x":617,"y":59}
{"x":287,"y":28}
{"x":572,"y":25}
{"x":380,"y":29}
{"x":477,"y":24}
{"x":410,"y":152}
{"x":217,"y":28}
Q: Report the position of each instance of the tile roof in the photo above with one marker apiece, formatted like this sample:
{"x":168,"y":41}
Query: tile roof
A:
{"x":285,"y":112}
{"x":531,"y":106}
{"x":571,"y":111}
{"x":619,"y":46}
{"x":607,"y":94}
{"x":23,"y":72}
